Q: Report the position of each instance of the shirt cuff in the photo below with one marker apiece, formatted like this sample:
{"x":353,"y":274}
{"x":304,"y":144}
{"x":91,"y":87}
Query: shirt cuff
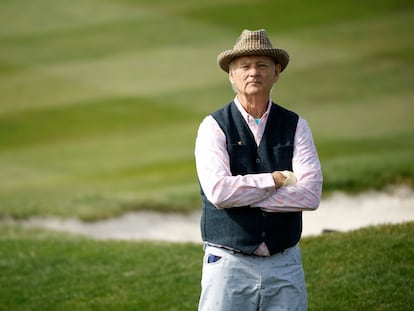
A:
{"x":268,"y":184}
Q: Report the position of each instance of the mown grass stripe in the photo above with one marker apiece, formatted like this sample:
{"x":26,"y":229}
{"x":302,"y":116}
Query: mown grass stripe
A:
{"x":99,"y":104}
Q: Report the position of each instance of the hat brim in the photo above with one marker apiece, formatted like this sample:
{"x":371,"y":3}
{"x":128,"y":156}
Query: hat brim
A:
{"x":280,"y":56}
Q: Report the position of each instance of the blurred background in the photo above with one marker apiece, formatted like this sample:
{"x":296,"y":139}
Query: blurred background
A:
{"x":100,"y":100}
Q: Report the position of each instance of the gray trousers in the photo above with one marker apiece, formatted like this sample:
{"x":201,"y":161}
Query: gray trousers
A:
{"x":233,"y":281}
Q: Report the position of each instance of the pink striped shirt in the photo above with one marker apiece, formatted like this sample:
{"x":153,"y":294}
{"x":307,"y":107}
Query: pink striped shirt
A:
{"x":257,"y":190}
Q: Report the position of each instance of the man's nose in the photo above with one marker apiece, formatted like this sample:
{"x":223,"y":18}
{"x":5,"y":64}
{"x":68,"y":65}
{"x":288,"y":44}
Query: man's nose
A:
{"x":254,"y":71}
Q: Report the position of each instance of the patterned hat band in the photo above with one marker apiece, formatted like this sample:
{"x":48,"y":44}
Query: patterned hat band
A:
{"x":253,"y":43}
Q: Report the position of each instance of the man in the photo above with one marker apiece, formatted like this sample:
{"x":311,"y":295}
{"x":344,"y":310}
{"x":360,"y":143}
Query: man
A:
{"x":258,"y":170}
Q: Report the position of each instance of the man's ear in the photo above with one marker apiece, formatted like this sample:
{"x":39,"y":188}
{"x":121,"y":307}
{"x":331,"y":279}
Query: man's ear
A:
{"x":231,"y":76}
{"x":278,"y":69}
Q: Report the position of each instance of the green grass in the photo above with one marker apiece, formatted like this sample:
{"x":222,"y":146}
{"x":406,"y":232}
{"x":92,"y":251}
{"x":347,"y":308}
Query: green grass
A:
{"x":100,"y":100}
{"x":57,"y":272}
{"x":367,"y":269}
{"x":99,"y":107}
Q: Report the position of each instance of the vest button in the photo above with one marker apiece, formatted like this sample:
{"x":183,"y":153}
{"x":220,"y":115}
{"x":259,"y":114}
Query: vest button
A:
{"x":264,"y":214}
{"x":263,"y":234}
{"x":258,"y":160}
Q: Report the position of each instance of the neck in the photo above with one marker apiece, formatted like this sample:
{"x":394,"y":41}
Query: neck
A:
{"x":255,"y":106}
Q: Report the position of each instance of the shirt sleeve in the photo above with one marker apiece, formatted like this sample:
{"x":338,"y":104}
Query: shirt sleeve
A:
{"x":213,"y":169}
{"x":306,"y":193}
{"x":257,"y":190}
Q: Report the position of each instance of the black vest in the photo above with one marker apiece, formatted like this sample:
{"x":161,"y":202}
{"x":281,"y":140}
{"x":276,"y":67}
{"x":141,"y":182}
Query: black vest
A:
{"x":245,"y":228}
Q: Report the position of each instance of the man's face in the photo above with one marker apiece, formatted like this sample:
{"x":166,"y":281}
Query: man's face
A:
{"x":254,"y":75}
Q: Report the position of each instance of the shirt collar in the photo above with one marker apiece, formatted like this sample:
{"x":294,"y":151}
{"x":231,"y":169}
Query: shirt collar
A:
{"x":246,"y":115}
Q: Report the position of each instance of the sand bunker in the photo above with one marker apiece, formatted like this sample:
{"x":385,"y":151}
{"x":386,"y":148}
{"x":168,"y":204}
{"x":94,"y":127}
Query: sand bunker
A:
{"x":340,"y":212}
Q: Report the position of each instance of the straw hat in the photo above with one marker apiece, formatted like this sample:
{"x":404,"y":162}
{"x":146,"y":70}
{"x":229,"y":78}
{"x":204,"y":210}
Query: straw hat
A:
{"x":253,"y":43}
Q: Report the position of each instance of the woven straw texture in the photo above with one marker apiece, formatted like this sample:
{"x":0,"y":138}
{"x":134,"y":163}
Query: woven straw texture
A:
{"x":253,"y":43}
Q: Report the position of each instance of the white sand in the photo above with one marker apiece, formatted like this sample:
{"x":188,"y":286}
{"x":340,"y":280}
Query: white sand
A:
{"x":339,"y":212}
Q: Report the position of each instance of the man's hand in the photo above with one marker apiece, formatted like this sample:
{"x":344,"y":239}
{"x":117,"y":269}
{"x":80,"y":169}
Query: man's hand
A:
{"x":283,"y":178}
{"x":290,"y":178}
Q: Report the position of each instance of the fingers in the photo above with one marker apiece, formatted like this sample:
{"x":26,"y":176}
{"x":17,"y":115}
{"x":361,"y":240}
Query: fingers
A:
{"x":290,"y":178}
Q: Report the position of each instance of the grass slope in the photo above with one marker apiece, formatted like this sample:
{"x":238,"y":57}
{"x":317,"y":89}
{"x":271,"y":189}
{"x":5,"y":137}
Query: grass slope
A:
{"x":100,"y":100}
{"x":367,"y":269}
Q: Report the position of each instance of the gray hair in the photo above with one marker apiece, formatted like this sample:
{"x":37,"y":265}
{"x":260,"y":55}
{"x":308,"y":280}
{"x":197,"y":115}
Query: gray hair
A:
{"x":231,"y":68}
